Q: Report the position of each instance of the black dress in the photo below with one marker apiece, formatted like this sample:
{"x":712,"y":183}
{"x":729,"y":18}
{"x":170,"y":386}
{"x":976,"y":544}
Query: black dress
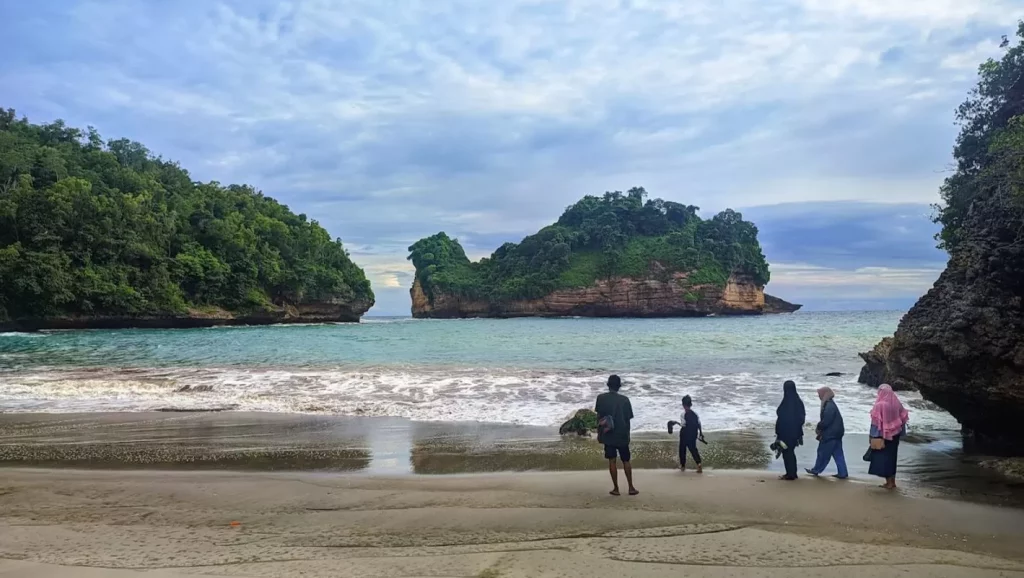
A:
{"x":883,"y":462}
{"x":789,"y":427}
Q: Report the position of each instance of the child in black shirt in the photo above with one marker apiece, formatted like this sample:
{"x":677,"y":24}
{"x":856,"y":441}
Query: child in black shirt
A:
{"x":689,"y":433}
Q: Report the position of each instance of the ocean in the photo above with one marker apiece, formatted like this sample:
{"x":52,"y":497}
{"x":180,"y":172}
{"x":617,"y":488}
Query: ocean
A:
{"x":512,"y":371}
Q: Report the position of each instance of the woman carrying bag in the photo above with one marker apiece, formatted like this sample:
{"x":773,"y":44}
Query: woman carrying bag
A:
{"x":888,"y":424}
{"x":789,"y":427}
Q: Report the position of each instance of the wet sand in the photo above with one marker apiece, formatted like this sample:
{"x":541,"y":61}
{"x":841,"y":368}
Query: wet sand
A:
{"x":394,"y":446}
{"x":95,"y":523}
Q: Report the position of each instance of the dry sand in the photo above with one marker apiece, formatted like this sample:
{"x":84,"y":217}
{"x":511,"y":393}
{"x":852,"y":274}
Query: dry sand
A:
{"x":68,"y":523}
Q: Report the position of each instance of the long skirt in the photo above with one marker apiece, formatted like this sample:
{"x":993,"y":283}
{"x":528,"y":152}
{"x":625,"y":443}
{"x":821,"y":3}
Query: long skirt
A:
{"x":883,"y":462}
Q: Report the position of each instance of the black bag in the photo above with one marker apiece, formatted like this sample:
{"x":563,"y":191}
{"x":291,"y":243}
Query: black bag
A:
{"x":867,"y":455}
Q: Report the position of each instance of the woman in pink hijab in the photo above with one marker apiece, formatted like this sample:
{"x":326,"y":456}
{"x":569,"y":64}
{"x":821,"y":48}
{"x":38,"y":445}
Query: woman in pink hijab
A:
{"x":888,"y":425}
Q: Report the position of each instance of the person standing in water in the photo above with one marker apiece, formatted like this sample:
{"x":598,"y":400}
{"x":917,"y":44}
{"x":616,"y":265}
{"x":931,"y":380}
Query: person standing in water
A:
{"x":888,"y":424}
{"x":613,"y":414}
{"x":830,"y":432}
{"x":689,"y":433}
{"x":789,"y":427}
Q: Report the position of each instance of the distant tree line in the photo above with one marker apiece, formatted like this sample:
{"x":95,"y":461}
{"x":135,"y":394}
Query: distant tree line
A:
{"x":614,"y":235}
{"x":94,"y":227}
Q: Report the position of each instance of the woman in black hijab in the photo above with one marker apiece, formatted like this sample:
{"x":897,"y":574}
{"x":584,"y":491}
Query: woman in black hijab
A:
{"x":789,"y":427}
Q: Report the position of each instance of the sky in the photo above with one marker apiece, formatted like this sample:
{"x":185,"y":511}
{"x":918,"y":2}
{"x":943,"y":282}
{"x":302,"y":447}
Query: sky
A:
{"x":829,"y":123}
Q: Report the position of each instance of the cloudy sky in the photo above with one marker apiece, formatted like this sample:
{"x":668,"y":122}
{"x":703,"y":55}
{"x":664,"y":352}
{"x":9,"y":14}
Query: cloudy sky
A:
{"x":827,"y":122}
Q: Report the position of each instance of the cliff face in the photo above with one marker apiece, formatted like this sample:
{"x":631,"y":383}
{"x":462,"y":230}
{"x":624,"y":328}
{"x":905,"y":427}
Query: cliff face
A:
{"x":329,"y":311}
{"x":962,"y":344}
{"x":619,"y":297}
{"x":875,"y":371}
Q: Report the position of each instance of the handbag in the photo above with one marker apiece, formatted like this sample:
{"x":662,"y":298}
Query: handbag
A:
{"x":877,"y":444}
{"x":868,"y":454}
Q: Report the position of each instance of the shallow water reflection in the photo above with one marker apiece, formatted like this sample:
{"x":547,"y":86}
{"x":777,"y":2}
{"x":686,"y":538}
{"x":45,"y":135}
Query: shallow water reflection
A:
{"x":393,"y":446}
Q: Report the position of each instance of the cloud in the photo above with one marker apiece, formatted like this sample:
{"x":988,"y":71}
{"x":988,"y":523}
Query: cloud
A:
{"x":848,"y":235}
{"x":971,"y":58}
{"x":390,"y":120}
{"x":866,"y":282}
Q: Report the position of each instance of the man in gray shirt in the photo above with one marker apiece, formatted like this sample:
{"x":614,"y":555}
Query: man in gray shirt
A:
{"x":613,"y":413}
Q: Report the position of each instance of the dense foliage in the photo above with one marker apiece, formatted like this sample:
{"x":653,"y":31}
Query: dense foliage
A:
{"x":616,"y":235}
{"x":989,"y":151}
{"x":88,"y":227}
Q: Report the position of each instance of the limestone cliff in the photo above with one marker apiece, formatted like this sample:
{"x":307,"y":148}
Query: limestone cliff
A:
{"x":962,"y":344}
{"x":617,"y":297}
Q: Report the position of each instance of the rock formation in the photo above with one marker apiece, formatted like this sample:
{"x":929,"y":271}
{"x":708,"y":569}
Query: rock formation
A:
{"x":773,"y":304}
{"x":962,"y":344}
{"x":875,"y":372}
{"x":580,"y":423}
{"x":671,"y":296}
{"x":196,"y":389}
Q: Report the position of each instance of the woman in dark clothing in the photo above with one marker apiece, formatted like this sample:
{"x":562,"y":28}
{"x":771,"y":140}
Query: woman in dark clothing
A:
{"x":789,"y":427}
{"x":830,"y":432}
{"x":888,"y":424}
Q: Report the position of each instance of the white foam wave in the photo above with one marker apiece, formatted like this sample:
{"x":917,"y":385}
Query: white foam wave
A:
{"x":21,"y":335}
{"x":724,"y":402}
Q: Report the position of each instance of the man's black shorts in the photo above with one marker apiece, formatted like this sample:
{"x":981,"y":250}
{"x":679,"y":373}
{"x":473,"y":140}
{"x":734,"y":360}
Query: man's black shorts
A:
{"x":622,"y":451}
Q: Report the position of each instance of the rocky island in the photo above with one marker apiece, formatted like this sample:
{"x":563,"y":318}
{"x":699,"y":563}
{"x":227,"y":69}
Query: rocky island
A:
{"x":98,"y":234}
{"x":962,"y":344}
{"x":618,"y":255}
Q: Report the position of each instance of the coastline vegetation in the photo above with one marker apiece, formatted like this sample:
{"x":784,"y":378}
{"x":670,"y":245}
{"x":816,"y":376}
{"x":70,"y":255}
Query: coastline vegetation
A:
{"x":614,"y":235}
{"x":94,"y":227}
{"x":989,"y":151}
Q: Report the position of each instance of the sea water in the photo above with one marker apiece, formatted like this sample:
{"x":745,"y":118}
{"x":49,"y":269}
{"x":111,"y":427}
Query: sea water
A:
{"x":515,"y":371}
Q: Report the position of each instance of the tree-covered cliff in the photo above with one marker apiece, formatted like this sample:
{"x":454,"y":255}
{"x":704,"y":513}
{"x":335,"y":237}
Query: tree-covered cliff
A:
{"x":962,"y":344}
{"x":615,"y":235}
{"x":988,"y":151}
{"x":94,"y":228}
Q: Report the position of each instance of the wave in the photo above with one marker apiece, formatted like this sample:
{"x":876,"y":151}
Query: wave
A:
{"x":524,"y":397}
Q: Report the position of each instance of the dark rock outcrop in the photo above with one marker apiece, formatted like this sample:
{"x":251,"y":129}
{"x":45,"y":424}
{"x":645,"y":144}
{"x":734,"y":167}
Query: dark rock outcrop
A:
{"x":581,"y":423}
{"x":962,"y":344}
{"x":773,"y":304}
{"x":329,"y":311}
{"x":669,"y":296}
{"x":875,"y":371}
{"x":196,"y":389}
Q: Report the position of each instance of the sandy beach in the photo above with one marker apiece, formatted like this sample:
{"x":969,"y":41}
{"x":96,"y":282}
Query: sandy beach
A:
{"x":56,"y":522}
{"x":155,"y":494}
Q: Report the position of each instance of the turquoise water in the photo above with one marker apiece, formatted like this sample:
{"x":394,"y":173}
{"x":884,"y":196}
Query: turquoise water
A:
{"x":525,"y":371}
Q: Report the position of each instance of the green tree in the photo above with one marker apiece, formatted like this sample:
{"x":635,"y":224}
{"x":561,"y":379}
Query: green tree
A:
{"x":109,"y":229}
{"x":987,"y":112}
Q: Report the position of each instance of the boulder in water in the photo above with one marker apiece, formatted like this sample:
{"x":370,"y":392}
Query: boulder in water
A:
{"x":198,"y":388}
{"x":579,"y":423}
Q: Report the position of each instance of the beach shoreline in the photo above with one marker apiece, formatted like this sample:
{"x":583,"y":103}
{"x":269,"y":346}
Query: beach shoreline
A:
{"x":55,"y":522}
{"x":372,"y":446}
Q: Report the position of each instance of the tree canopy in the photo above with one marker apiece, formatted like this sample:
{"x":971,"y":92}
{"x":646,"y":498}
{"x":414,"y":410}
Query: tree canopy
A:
{"x":89,"y":227}
{"x":614,"y":235}
{"x":990,"y":147}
